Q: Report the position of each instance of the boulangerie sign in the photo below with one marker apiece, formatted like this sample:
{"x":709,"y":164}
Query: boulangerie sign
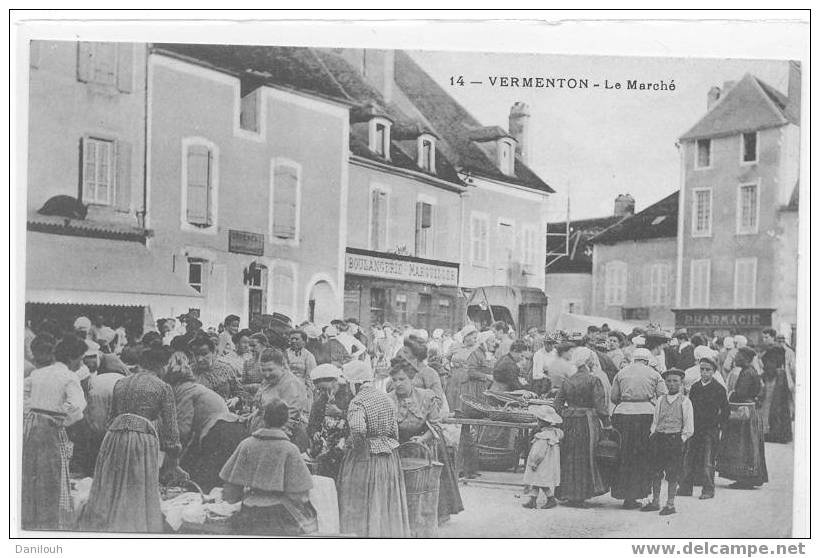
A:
{"x":400,"y":269}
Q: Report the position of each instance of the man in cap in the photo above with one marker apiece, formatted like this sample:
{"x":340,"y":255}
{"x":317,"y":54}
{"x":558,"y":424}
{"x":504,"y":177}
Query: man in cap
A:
{"x":672,"y":424}
{"x":711,"y":410}
{"x":681,"y":356}
{"x":634,"y":389}
{"x":692,"y":374}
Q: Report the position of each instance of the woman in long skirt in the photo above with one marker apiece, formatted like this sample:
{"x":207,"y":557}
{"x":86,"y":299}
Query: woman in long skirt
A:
{"x":582,"y":403}
{"x":742,"y":457}
{"x":774,"y":409}
{"x":470,"y":375}
{"x":372,"y":498}
{"x":418,"y":418}
{"x":125,"y":495}
{"x":53,"y":399}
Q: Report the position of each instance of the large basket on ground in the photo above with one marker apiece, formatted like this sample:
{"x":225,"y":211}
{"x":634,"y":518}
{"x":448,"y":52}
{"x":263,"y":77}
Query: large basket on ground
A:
{"x":421,"y":481}
{"x":511,"y":412}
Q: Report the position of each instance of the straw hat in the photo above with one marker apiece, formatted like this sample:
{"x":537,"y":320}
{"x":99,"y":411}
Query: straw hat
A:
{"x":325,"y":372}
{"x":546,"y":413}
{"x":357,"y":372}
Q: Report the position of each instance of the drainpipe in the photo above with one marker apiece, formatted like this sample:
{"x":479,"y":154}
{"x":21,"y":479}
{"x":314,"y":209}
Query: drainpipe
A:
{"x":681,"y":213}
{"x":142,"y":217}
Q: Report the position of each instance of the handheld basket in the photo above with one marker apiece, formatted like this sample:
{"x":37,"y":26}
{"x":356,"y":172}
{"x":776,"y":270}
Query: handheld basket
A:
{"x":609,"y":447}
{"x":421,"y":481}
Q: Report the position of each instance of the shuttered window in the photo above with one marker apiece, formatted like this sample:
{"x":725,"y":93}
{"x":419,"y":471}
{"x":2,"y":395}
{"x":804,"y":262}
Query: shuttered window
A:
{"x":199,"y":185}
{"x":702,"y":212}
{"x":249,"y":106}
{"x":745,"y":282}
{"x":700,"y":278}
{"x":285,"y":202}
{"x":99,"y":171}
{"x":749,"y":145}
{"x":703,"y":157}
{"x":282,"y":288}
{"x":529,"y":248}
{"x":106,"y":64}
{"x":379,"y":200}
{"x":615,"y":283}
{"x":479,"y":239}
{"x":425,"y":234}
{"x":196,"y":273}
{"x":747,"y":209}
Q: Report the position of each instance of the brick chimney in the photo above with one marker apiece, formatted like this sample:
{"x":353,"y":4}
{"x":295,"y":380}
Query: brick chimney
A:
{"x":712,"y":97}
{"x":795,"y":85}
{"x":624,"y":205}
{"x":520,"y":129}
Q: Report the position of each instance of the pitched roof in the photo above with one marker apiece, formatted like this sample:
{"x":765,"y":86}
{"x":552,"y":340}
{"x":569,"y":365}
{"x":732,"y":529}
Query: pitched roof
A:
{"x":579,"y":258}
{"x":289,"y":67}
{"x":659,"y":220}
{"x":455,"y":126}
{"x":750,"y":105}
{"x":319,"y":72}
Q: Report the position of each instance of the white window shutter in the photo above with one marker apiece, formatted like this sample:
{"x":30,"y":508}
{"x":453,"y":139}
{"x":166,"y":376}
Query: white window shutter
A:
{"x":85,"y":54}
{"x":122,"y":184}
{"x":396,"y":236}
{"x":199,"y":185}
{"x":442,"y":228}
{"x":125,"y":67}
{"x":285,"y":192}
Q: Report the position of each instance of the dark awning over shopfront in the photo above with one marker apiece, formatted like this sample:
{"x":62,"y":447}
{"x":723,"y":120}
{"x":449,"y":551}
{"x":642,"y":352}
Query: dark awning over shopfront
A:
{"x":522,"y":307}
{"x":63,"y":269}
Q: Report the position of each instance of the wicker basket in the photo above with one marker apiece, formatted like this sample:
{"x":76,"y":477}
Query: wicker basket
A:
{"x":508,"y":414}
{"x":421,"y":480}
{"x":475,"y":408}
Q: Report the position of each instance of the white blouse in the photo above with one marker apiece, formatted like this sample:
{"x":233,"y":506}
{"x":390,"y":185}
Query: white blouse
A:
{"x":57,"y":389}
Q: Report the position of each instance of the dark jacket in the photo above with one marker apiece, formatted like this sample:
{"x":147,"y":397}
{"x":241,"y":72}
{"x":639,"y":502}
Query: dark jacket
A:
{"x":709,"y":405}
{"x":682,"y":359}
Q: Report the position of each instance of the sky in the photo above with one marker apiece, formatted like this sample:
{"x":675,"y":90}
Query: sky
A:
{"x":593,"y":144}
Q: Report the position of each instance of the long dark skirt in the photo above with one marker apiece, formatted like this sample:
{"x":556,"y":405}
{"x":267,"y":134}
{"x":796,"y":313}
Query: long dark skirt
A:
{"x":581,"y":476}
{"x":46,"y":492}
{"x":285,"y":519}
{"x":449,"y":497}
{"x":204,"y":460}
{"x":632,"y":480}
{"x":742,"y":455}
{"x":779,"y":420}
{"x":372,"y":497}
{"x":124,"y":495}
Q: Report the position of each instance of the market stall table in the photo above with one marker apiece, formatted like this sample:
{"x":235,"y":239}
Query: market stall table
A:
{"x":524,"y":427}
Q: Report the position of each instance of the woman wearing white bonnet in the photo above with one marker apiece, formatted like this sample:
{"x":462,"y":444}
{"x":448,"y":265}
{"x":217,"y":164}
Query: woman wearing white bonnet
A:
{"x":583,"y":356}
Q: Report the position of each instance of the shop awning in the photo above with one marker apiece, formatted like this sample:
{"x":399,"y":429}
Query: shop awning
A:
{"x":508,"y":297}
{"x":63,"y":269}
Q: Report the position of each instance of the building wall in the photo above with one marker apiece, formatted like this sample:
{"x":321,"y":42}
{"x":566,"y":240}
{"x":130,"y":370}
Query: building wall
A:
{"x":565,"y":289}
{"x":522,"y":207}
{"x":403,"y":194}
{"x":786,"y":273}
{"x":192,"y":102}
{"x":638,"y":256}
{"x":725,"y":245}
{"x":63,"y":109}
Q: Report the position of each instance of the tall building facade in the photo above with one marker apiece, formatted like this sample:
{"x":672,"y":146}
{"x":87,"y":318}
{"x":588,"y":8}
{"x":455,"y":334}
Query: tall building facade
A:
{"x":740,"y":169}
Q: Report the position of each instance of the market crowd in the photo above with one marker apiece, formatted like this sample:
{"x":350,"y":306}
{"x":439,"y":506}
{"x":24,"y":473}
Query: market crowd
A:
{"x":258,"y":411}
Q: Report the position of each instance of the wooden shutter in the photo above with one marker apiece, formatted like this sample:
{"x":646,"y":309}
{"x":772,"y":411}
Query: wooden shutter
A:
{"x":649,"y":273}
{"x":396,"y":236}
{"x":282,"y":291}
{"x":420,"y":237}
{"x":122,"y":183}
{"x":249,"y":111}
{"x":199,"y":163}
{"x":442,"y":228}
{"x":34,"y":53}
{"x":125,"y":67}
{"x":85,"y":53}
{"x":285,"y":187}
{"x":375,"y":215}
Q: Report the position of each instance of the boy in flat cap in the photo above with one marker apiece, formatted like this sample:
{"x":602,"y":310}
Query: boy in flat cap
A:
{"x":672,"y":424}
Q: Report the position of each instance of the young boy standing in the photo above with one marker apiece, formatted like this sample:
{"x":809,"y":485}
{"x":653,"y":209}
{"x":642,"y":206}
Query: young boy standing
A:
{"x":672,"y":424}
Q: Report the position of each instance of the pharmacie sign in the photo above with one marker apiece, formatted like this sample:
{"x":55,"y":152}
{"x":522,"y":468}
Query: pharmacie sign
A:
{"x":723,"y":318}
{"x":400,"y":268}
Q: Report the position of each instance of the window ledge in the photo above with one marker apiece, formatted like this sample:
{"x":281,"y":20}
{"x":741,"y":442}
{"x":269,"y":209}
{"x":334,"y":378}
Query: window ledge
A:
{"x":209,"y":230}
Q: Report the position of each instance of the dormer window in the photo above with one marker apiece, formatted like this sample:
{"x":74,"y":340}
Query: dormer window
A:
{"x":506,"y":158}
{"x":427,"y":153}
{"x":380,"y":137}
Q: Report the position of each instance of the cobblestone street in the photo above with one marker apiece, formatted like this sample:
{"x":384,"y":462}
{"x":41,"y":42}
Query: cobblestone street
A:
{"x":764,"y":512}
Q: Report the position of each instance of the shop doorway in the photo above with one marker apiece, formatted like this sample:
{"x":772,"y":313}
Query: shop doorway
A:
{"x":322,"y":304}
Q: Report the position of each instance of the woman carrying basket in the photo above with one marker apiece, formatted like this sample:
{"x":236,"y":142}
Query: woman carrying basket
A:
{"x":418,"y":420}
{"x":372,"y":498}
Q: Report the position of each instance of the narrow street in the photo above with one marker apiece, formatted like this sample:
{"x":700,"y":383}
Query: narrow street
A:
{"x":764,"y":512}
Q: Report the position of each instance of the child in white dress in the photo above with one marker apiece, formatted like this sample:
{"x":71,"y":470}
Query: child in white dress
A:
{"x":543,"y":471}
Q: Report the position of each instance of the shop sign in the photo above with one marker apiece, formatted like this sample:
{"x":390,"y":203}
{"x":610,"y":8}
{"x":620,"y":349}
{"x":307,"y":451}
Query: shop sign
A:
{"x":401,"y":269}
{"x":751,"y":318}
{"x":244,"y":242}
